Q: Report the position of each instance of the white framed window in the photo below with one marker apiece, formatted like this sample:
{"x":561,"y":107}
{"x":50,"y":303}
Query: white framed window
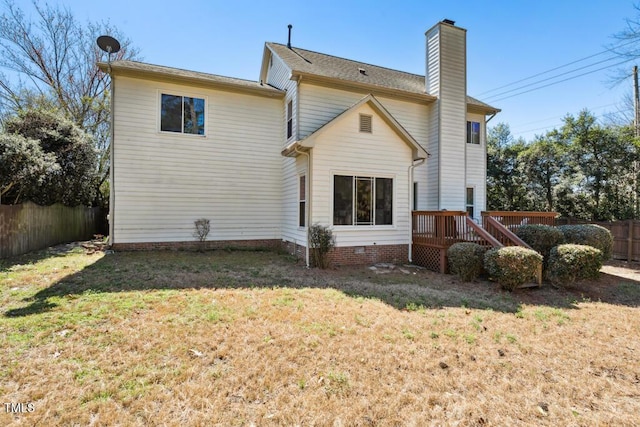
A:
{"x":470,"y":204}
{"x":302,"y":201}
{"x":289,"y":119}
{"x":182,"y":114}
{"x":473,"y":133}
{"x":361,"y":200}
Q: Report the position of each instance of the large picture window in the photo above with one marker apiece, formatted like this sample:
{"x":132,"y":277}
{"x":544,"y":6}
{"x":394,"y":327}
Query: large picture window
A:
{"x":182,"y":114}
{"x":361,"y":200}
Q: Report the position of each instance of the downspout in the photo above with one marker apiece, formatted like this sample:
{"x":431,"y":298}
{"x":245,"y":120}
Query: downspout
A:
{"x":489,"y":119}
{"x":307,"y":214}
{"x":308,"y":180}
{"x":112,"y":184}
{"x":410,"y":173}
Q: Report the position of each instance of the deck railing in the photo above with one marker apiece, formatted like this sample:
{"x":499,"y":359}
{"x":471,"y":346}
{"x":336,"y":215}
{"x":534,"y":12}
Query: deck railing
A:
{"x":435,"y":231}
{"x":444,"y":228}
{"x":512,"y":219}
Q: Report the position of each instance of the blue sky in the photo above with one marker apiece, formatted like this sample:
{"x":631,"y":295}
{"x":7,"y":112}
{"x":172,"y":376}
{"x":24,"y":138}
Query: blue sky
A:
{"x":506,"y":41}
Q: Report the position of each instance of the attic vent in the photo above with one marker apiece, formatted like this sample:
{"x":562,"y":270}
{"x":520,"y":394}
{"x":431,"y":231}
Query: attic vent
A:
{"x":366,"y":123}
{"x":362,"y":71}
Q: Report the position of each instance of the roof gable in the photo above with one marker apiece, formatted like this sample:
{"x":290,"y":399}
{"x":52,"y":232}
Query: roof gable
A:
{"x":309,"y":142}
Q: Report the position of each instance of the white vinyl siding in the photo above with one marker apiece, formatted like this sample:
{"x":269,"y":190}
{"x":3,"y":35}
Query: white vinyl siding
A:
{"x":319,"y":105}
{"x":163,"y":181}
{"x":278,"y":76}
{"x":449,"y":47}
{"x":476,"y":166}
{"x":413,"y":117}
{"x":343,"y":150}
{"x":292,"y":169}
{"x":432,"y":83}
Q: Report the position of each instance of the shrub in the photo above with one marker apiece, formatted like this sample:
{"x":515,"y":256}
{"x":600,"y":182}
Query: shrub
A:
{"x":512,"y":266}
{"x":321,"y":241}
{"x":569,"y":262}
{"x":466,"y":260}
{"x":202,"y":227}
{"x":541,"y":238}
{"x":590,"y":235}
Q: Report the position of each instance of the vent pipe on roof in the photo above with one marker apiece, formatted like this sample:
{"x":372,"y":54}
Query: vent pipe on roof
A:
{"x":289,"y":40}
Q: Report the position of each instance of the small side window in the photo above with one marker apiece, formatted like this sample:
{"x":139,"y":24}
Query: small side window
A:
{"x":289,"y":119}
{"x":473,"y":133}
{"x":302,"y":202}
{"x":470,"y":201}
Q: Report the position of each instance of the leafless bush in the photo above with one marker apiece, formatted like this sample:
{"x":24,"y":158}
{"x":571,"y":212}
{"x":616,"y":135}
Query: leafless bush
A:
{"x":203,"y":227}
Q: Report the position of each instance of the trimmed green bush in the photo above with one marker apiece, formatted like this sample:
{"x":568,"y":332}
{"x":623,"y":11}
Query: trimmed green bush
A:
{"x":569,"y":262}
{"x":590,"y":235}
{"x":541,"y":238}
{"x":466,"y":260}
{"x":512,"y":266}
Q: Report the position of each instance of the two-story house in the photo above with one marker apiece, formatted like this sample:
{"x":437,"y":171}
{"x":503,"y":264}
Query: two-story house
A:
{"x":317,"y":139}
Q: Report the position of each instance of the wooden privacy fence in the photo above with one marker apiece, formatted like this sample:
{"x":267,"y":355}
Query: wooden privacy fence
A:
{"x":626,"y":236}
{"x":29,"y":227}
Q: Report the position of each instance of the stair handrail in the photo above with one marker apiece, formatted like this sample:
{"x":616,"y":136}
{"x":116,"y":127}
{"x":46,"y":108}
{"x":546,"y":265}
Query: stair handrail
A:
{"x":483,"y":233}
{"x":504,"y":231}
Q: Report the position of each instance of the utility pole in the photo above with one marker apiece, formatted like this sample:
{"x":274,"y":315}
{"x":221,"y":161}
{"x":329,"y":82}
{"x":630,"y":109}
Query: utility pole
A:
{"x":636,"y":122}
{"x":636,"y":101}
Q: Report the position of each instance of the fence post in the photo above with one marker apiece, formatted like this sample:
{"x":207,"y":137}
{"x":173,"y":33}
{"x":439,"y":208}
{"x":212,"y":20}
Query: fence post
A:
{"x":630,"y":241}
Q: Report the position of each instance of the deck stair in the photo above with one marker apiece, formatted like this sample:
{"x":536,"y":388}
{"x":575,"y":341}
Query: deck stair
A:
{"x":435,"y":231}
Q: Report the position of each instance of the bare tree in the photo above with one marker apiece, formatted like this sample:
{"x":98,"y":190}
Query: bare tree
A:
{"x":50,"y":60}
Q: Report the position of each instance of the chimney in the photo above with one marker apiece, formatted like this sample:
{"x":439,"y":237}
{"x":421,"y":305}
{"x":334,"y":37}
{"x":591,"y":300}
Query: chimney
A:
{"x":289,"y":39}
{"x":446,"y":78}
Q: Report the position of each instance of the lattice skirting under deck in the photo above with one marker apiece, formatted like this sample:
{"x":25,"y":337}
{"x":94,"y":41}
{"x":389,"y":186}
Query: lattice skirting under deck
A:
{"x":434,"y":259}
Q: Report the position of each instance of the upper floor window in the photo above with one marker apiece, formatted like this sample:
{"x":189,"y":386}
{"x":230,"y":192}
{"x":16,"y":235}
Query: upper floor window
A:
{"x":289,"y":119}
{"x":182,"y":114}
{"x":473,"y":133}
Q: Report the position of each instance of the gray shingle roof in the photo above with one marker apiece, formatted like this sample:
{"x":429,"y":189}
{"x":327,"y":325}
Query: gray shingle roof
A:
{"x":160,"y":71}
{"x":323,"y":65}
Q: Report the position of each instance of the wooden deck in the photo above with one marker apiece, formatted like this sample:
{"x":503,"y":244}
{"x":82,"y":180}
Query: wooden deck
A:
{"x":435,"y":231}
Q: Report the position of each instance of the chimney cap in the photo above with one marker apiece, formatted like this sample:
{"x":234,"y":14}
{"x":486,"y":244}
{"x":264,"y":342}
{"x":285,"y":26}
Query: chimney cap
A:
{"x":448,"y":21}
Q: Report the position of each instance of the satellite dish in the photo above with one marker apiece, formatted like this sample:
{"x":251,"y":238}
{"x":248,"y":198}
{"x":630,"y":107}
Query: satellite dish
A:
{"x":108,"y":44}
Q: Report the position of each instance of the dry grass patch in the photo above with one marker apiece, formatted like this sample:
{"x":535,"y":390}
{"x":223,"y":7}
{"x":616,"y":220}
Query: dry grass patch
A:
{"x":248,"y":338}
